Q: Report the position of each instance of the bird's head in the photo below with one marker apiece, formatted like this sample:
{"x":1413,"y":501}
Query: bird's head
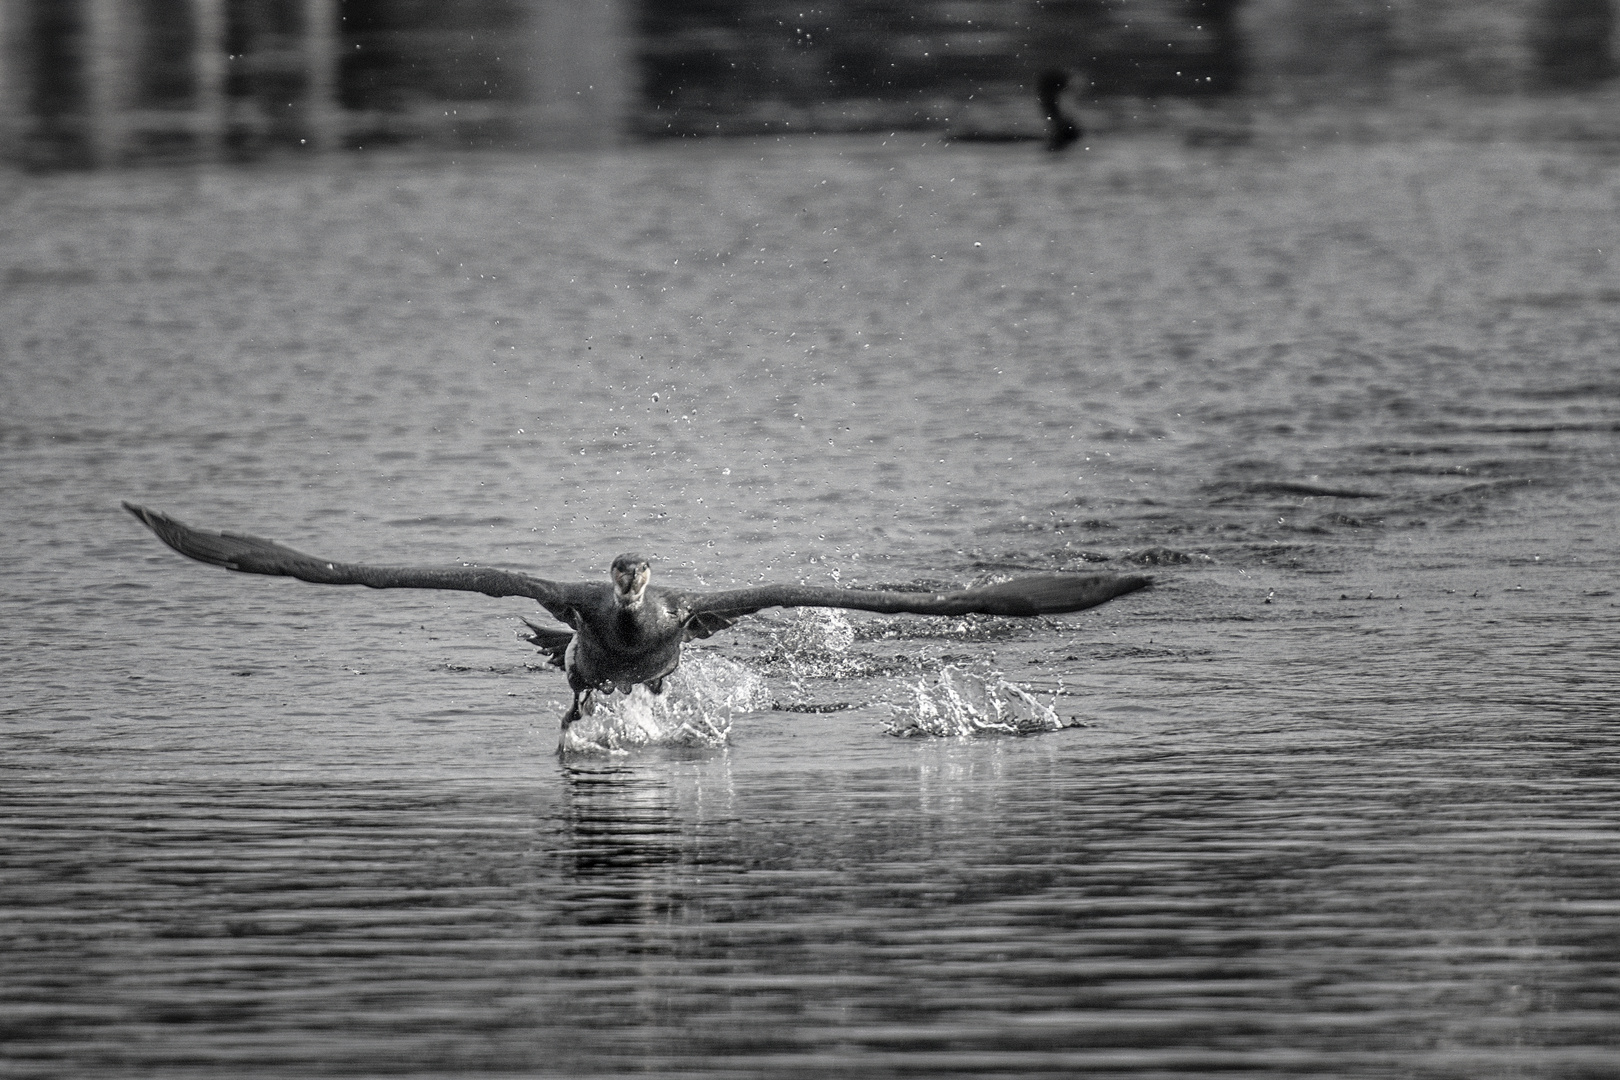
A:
{"x":630,"y":576}
{"x":1049,"y":85}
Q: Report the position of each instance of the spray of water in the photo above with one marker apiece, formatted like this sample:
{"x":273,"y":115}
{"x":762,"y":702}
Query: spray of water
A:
{"x":695,"y":709}
{"x":814,"y":644}
{"x":960,"y":703}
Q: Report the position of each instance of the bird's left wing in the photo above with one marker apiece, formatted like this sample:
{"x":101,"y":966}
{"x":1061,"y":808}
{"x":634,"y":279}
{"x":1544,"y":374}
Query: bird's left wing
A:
{"x":1039,"y":594}
{"x":254,"y":555}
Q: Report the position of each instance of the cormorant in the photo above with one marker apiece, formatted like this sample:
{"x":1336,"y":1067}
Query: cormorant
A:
{"x":626,"y":631}
{"x":1061,"y":130}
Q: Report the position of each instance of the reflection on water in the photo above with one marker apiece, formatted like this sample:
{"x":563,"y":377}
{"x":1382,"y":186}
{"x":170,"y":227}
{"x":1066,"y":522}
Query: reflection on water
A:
{"x":1344,"y":797}
{"x":621,"y":823}
{"x":1155,"y":900}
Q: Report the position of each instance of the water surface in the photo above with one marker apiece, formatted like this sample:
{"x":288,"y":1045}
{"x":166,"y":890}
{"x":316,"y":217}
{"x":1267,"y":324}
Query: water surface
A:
{"x":1344,"y":798}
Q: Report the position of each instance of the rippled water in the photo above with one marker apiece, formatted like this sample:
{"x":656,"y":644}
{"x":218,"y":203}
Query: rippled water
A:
{"x":1340,"y":796}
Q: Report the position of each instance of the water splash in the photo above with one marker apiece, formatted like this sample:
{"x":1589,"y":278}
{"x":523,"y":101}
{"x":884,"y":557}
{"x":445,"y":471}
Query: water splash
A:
{"x":695,"y":709}
{"x":815,"y":639}
{"x":962,"y":703}
{"x":814,"y":643}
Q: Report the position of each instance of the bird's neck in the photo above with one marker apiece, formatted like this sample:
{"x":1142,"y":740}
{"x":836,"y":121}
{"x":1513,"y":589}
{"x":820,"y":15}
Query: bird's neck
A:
{"x":632,"y":620}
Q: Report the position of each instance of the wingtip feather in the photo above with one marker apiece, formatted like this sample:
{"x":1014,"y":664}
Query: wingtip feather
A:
{"x":216,"y":549}
{"x":1054,"y":594}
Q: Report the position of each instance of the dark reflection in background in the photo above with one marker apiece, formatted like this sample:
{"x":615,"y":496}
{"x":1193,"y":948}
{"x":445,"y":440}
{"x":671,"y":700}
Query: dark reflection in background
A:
{"x":107,"y":81}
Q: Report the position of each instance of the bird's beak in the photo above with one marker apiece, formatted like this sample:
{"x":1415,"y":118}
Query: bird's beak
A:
{"x":631,"y":585}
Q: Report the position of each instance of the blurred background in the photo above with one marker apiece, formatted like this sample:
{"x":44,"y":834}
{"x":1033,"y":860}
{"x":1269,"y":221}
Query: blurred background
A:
{"x":100,"y":82}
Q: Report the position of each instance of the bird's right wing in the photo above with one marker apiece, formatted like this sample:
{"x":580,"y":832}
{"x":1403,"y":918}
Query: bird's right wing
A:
{"x":254,"y":555}
{"x":1038,"y":594}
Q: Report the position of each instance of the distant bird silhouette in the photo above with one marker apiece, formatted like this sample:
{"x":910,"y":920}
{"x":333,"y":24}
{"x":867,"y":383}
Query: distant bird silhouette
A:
{"x":1062,"y":131}
{"x":626,"y":632}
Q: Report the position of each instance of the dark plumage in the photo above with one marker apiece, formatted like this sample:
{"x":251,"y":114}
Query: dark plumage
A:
{"x":626,"y":631}
{"x":1062,"y":131}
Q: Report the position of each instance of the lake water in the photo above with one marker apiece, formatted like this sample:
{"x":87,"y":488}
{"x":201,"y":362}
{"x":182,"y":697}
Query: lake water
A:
{"x":1340,"y":796}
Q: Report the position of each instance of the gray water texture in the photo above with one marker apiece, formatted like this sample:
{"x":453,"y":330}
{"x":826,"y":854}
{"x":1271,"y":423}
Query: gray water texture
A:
{"x":1342,"y":797}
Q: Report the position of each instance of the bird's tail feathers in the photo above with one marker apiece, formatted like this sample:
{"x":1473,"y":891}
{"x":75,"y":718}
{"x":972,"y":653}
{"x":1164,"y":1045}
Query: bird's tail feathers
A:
{"x":554,"y":643}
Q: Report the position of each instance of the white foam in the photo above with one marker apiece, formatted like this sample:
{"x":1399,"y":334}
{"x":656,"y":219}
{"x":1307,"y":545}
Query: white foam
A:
{"x":961,"y":703}
{"x":695,"y":709}
{"x":815,"y":641}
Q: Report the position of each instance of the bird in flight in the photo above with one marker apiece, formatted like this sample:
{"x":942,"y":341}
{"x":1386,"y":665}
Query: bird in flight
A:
{"x":625,"y":631}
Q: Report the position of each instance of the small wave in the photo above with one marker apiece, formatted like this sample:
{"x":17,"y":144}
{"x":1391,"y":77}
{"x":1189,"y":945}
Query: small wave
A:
{"x":1480,"y":492}
{"x":696,"y":709}
{"x":459,"y":521}
{"x":961,"y":703}
{"x":1163,"y":556}
{"x":1235,"y":489}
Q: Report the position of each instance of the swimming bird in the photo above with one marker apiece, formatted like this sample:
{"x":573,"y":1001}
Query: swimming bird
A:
{"x":627,"y":631}
{"x":1061,"y":130}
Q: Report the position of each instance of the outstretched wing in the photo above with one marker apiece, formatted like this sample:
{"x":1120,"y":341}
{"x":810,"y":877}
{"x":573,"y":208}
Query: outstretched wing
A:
{"x":253,"y":555}
{"x":1041,"y":594}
